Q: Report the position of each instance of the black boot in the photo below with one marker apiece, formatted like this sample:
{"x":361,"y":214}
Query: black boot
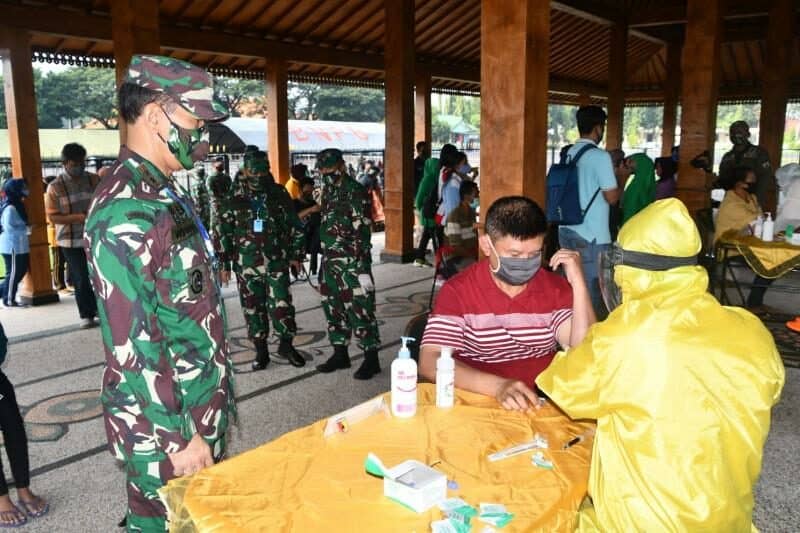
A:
{"x":286,"y":350}
{"x":340,"y":359}
{"x":370,"y":366}
{"x":262,"y":355}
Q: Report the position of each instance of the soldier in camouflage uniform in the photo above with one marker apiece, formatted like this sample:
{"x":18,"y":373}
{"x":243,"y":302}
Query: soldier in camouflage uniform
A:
{"x":744,"y":153}
{"x":167,"y":386}
{"x":261,"y":236}
{"x":200,"y":194}
{"x":218,"y":185}
{"x":347,"y":287}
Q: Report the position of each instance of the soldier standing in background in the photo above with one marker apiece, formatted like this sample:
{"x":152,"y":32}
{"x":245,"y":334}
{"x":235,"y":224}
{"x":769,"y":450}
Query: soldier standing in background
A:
{"x":167,"y":387}
{"x":200,"y":194}
{"x":746,"y":154}
{"x":347,"y":288}
{"x":261,"y":235}
{"x":219,"y":186}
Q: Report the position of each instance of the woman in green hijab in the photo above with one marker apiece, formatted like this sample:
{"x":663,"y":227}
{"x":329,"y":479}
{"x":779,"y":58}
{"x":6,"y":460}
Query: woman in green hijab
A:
{"x":640,"y":189}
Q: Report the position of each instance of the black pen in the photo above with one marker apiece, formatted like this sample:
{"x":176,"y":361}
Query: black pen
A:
{"x":573,"y":442}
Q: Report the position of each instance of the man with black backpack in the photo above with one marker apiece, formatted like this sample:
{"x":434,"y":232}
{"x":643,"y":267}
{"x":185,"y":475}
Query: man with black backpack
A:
{"x":585,"y":229}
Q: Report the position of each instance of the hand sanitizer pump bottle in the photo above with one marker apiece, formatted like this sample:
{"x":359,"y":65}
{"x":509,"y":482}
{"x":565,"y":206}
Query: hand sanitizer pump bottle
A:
{"x":445,"y":378}
{"x":404,"y":383}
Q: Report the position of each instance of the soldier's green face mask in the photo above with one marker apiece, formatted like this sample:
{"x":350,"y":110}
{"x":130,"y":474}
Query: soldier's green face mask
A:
{"x":187,"y":145}
{"x":332,"y":177}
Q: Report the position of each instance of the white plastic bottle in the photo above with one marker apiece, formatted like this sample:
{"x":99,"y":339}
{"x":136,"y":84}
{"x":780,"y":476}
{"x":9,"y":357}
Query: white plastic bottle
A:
{"x":769,"y":229}
{"x":404,"y":383}
{"x":445,"y":378}
{"x":758,"y":227}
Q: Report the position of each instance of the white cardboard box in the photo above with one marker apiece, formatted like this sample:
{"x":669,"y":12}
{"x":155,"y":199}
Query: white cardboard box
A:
{"x":415,"y":485}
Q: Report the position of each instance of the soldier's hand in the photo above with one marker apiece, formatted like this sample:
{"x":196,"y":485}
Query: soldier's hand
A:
{"x":225,"y":277}
{"x":195,"y":457}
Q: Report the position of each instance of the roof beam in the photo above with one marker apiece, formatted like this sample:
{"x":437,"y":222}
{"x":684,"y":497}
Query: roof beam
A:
{"x":666,"y":14}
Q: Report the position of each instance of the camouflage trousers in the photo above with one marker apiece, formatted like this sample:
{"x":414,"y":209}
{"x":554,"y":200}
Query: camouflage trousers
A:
{"x":146,"y":511}
{"x":266,"y":297}
{"x":349,"y":307}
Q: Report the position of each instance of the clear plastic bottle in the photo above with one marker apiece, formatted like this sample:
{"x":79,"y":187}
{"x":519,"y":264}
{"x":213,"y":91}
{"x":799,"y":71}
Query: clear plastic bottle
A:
{"x":445,"y":378}
{"x":769,"y":229}
{"x":404,"y":383}
{"x":758,"y":227}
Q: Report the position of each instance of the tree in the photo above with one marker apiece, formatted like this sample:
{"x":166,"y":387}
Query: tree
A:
{"x":76,"y":94}
{"x":302,"y":100}
{"x":233,"y":92}
{"x":355,"y":104}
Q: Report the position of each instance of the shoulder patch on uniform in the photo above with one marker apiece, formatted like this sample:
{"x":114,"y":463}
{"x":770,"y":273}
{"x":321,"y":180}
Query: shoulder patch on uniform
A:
{"x":184,"y":225}
{"x":196,"y":281}
{"x":141,"y":215}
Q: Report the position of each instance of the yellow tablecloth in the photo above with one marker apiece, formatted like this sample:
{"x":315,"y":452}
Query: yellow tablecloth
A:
{"x":767,"y":259}
{"x":307,"y":483}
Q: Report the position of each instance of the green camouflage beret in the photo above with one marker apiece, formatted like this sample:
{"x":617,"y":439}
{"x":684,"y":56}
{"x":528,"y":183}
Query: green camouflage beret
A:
{"x":190,"y":86}
{"x":330,"y":157}
{"x":256,"y":156}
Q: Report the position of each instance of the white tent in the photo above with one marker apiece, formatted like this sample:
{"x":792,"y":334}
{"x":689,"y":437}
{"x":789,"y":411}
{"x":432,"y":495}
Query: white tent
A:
{"x":307,"y":135}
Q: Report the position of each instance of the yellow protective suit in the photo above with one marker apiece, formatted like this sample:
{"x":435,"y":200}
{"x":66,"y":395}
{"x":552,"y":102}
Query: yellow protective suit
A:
{"x":681,"y":388}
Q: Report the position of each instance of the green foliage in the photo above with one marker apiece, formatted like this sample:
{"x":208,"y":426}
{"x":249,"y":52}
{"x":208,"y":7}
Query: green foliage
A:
{"x":440,"y":131}
{"x":728,"y":114}
{"x":232,"y":92}
{"x":331,"y":102}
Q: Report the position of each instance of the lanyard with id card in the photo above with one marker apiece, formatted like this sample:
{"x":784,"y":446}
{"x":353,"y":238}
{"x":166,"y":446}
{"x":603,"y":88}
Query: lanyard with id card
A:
{"x":258,"y":222}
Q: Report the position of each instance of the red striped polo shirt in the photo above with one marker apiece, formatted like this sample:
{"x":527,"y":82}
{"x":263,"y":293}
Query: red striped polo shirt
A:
{"x":510,"y":337}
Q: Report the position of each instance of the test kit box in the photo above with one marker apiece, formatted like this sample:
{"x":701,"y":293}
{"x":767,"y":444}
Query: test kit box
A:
{"x":415,"y":485}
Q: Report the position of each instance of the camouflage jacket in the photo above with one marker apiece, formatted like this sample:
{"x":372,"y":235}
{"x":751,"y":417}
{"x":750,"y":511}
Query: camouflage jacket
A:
{"x":346,"y":228}
{"x":280,"y":241}
{"x":201,"y":199}
{"x":755,"y":158}
{"x":168,"y":374}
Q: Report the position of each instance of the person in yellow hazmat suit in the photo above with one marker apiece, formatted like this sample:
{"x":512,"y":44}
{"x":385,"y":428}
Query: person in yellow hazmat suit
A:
{"x":681,"y":388}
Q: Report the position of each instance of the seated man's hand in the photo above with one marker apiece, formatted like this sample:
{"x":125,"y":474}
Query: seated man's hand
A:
{"x":571,"y":261}
{"x":516,"y":396}
{"x":195,"y":457}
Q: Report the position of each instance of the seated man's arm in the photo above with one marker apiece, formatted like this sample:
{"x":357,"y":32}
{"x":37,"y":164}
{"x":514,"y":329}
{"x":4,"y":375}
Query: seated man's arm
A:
{"x":572,"y":331}
{"x":612,"y":195}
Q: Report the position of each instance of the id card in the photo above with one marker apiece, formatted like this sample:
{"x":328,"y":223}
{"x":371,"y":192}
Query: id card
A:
{"x":258,"y":225}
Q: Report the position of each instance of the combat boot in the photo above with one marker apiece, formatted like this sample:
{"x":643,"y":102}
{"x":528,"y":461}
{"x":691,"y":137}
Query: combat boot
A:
{"x":262,"y":355}
{"x":370,"y":366}
{"x":285,"y":349}
{"x":339,"y":360}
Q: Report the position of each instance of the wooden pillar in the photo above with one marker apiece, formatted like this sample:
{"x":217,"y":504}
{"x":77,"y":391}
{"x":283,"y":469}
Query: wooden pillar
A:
{"x":672,"y":92}
{"x":277,"y":119}
{"x":700,"y":74}
{"x":775,"y":86}
{"x":515,"y":37}
{"x":399,"y":60}
{"x":618,"y":52}
{"x":134,"y":30}
{"x":422,"y":108}
{"x":23,"y":139}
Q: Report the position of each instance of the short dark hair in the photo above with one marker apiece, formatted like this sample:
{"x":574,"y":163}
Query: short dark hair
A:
{"x":515,"y":216}
{"x":306,"y":181}
{"x":732,"y":176}
{"x":588,"y":117}
{"x":467,"y":187}
{"x":668,"y":166}
{"x":421,"y":145}
{"x":132,"y":98}
{"x":73,"y":152}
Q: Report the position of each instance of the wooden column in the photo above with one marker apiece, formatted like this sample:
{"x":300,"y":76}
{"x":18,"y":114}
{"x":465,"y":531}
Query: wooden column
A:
{"x":515,"y":39}
{"x":618,"y":52}
{"x":701,"y":67}
{"x":277,"y":119}
{"x":134,"y":30}
{"x":23,"y":139}
{"x":672,"y":92}
{"x":775,"y":86}
{"x":422,"y":107}
{"x":399,"y":59}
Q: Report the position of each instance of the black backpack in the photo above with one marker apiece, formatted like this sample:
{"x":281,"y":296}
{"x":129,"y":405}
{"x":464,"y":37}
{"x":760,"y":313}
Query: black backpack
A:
{"x":563,"y":193}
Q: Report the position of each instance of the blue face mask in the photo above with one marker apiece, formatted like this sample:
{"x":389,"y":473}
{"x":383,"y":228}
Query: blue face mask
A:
{"x":516,"y":270}
{"x":474,"y":204}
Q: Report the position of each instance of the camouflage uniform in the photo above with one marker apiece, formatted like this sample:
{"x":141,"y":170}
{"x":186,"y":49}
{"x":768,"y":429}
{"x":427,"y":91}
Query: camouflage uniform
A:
{"x":168,"y":375}
{"x":260,"y":234}
{"x":218,"y":186}
{"x":751,"y":156}
{"x":200,"y":196}
{"x":347,"y":284}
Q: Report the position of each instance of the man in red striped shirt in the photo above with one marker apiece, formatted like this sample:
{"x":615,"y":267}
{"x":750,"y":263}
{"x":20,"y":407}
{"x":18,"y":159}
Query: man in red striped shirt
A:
{"x":504,"y":316}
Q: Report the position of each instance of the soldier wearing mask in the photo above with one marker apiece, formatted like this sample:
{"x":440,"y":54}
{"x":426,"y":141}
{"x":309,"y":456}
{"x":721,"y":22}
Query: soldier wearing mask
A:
{"x":167,"y":388}
{"x":261,"y":236}
{"x":746,"y":154}
{"x":347,"y":287}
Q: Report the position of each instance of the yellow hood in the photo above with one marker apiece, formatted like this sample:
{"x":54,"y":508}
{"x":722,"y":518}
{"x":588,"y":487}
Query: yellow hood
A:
{"x":681,"y":388}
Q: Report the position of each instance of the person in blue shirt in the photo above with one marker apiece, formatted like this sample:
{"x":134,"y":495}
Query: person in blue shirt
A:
{"x":14,"y":244}
{"x":595,"y":172}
